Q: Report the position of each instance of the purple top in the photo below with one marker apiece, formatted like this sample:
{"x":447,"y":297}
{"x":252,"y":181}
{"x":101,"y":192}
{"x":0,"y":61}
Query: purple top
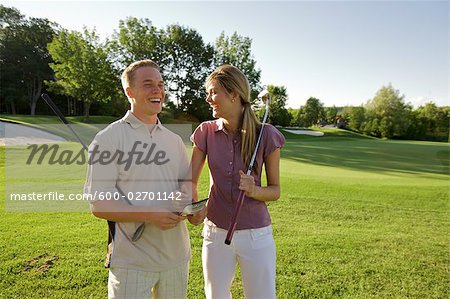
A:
{"x":224,"y":159}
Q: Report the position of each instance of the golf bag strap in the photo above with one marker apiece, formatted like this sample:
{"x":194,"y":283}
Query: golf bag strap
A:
{"x":112,"y":233}
{"x":109,"y":248}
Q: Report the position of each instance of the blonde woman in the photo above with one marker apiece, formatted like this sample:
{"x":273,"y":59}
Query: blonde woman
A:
{"x":228,"y":143}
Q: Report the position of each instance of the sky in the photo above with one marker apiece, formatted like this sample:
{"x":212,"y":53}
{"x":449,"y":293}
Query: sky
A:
{"x":341,"y":52}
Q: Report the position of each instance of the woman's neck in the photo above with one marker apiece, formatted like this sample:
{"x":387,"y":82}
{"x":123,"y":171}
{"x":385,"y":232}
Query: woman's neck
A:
{"x":233,"y":124}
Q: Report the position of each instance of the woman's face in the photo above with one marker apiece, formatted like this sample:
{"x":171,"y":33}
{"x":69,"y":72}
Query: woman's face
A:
{"x":220,"y":101}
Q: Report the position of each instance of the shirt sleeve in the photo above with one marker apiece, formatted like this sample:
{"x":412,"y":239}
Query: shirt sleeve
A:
{"x":184,"y":161}
{"x":273,"y":139}
{"x":198,"y":138}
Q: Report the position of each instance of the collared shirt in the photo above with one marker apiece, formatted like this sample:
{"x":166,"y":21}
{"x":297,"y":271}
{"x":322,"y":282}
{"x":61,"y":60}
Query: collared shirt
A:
{"x":223,"y":152}
{"x":166,"y":162}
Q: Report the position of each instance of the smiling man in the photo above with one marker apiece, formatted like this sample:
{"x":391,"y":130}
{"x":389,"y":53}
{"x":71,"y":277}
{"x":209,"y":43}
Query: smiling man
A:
{"x":155,"y":261}
{"x":144,"y":87}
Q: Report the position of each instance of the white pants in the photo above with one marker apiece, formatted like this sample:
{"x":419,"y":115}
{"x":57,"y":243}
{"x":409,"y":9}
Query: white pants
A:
{"x":253,"y":249}
{"x":129,"y":284}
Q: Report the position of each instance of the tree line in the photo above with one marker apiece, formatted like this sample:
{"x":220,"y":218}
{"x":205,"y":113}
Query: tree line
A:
{"x":386,"y":115}
{"x":82,"y":72}
{"x":38,"y":55}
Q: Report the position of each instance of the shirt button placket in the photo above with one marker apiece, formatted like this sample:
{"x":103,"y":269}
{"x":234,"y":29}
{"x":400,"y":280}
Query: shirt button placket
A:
{"x":231,"y":155}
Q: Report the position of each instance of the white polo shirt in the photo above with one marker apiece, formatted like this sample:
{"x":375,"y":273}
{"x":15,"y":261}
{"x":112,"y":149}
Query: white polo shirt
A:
{"x":159,"y":160}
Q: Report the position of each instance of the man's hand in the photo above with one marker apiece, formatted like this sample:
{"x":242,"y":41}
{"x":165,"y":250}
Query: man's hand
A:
{"x":165,"y":220}
{"x":198,"y":217}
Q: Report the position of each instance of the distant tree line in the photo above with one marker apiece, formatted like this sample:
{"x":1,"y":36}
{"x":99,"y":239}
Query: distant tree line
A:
{"x":82,"y":72}
{"x":386,"y":115}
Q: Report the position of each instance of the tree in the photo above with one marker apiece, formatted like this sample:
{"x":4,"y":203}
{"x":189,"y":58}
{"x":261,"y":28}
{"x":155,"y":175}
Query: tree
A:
{"x":236,"y":50}
{"x":184,"y":58}
{"x":136,"y":39}
{"x":390,"y":111}
{"x":82,"y":68}
{"x":355,"y":117}
{"x":293,"y":115}
{"x":24,"y":57}
{"x":330,"y":114}
{"x":434,"y":122}
{"x":10,"y":19}
{"x":187,"y":64}
{"x":310,"y":113}
{"x":10,"y":16}
{"x":278,"y":114}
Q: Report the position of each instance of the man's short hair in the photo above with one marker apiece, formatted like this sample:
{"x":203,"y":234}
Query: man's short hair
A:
{"x":128,"y":74}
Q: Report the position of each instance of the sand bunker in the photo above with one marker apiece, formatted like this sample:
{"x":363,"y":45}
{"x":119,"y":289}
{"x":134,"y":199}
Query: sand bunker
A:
{"x":305,"y":132}
{"x":15,"y":134}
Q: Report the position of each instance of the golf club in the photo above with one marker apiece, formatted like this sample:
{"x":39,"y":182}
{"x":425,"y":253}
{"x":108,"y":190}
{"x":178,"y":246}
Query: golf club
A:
{"x":62,"y":118}
{"x":111,"y":224}
{"x":241,"y":197}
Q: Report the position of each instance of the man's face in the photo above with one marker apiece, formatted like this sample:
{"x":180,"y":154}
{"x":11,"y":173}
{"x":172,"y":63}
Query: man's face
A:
{"x":147,"y":91}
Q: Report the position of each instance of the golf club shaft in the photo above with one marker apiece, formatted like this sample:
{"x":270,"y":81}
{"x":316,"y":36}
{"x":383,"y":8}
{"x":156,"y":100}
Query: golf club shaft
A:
{"x":62,"y":118}
{"x":241,"y":197}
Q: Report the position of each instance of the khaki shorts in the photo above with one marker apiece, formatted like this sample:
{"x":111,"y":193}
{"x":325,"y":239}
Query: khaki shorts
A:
{"x":128,"y":283}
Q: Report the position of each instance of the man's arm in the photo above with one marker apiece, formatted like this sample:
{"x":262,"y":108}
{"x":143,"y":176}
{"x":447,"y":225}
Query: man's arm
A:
{"x":102,"y":178}
{"x":119,"y":211}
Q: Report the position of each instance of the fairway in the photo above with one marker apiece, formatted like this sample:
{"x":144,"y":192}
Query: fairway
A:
{"x":358,"y":218}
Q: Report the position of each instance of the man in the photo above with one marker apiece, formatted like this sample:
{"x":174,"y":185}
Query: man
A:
{"x":134,"y":171}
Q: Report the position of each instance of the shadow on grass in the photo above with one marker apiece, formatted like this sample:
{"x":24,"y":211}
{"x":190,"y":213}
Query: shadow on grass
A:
{"x":344,"y":149}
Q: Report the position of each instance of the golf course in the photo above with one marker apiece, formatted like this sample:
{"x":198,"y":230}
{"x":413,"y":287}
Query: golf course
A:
{"x":358,"y":217}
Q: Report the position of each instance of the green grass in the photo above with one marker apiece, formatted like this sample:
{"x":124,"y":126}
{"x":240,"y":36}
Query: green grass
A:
{"x":358,"y":218}
{"x":368,"y":218}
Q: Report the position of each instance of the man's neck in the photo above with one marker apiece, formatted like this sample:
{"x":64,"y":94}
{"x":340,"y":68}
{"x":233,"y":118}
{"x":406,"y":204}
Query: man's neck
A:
{"x":146,"y":119}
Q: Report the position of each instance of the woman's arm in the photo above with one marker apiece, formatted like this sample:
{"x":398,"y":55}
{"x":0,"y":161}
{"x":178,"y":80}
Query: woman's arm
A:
{"x":197,"y":163}
{"x":272,"y":191}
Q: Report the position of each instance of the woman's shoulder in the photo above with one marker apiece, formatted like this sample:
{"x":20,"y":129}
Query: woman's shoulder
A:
{"x":209,"y":122}
{"x":273,"y":135}
{"x":209,"y":125}
{"x":271,"y":129}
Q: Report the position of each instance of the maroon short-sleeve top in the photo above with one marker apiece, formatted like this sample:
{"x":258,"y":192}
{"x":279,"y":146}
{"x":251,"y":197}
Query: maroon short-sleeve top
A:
{"x":223,"y":152}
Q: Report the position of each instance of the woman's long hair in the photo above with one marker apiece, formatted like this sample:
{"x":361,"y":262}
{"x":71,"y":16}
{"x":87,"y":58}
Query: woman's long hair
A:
{"x":233,"y":80}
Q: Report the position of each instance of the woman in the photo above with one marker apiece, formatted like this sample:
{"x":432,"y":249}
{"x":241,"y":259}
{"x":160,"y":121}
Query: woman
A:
{"x":229,"y":142}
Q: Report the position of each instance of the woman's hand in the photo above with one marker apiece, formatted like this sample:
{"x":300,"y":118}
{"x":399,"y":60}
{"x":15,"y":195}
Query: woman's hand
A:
{"x":247,"y":184}
{"x":198,"y":217}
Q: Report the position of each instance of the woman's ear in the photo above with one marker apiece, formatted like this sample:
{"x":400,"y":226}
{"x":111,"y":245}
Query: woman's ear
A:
{"x":234,"y":96}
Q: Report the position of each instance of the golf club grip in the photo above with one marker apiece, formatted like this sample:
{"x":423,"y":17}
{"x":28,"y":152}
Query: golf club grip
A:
{"x":233,"y":223}
{"x":54,"y":108}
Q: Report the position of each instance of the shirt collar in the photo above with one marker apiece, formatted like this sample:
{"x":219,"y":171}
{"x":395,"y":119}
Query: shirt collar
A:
{"x":135,"y":122}
{"x":219,"y":125}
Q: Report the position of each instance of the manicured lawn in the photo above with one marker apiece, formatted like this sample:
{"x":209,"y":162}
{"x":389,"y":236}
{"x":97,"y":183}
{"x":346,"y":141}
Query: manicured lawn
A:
{"x":358,"y":218}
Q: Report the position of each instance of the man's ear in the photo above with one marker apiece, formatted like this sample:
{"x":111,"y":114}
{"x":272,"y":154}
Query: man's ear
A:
{"x":129,"y":92}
